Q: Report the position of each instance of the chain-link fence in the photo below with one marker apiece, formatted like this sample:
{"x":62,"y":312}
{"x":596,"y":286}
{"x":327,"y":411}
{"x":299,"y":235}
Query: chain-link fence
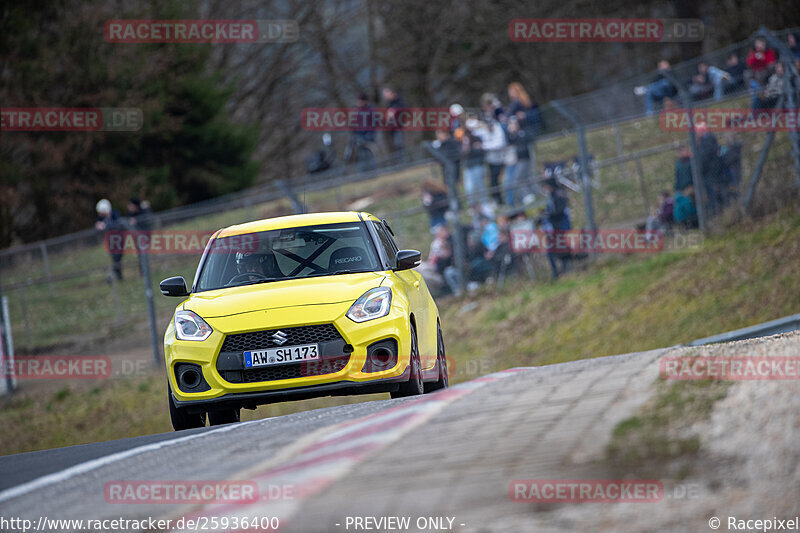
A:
{"x":63,"y":297}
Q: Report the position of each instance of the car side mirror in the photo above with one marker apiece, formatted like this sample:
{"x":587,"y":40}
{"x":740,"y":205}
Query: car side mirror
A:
{"x":406,"y":259}
{"x":175,"y":286}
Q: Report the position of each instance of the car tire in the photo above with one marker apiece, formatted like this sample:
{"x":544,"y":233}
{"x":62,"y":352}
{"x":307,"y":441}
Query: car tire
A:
{"x":441,"y":363}
{"x":223,"y":416}
{"x":414,"y":386}
{"x":181,"y":418}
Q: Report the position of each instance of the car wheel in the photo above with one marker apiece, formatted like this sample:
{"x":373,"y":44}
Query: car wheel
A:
{"x":181,"y":418}
{"x":223,"y":416}
{"x":441,"y":362}
{"x":414,"y":385}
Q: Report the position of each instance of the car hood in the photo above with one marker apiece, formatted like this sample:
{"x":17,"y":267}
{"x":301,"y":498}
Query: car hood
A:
{"x":277,"y":294}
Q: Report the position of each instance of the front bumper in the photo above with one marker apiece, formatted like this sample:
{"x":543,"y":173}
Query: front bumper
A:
{"x":351,"y":379}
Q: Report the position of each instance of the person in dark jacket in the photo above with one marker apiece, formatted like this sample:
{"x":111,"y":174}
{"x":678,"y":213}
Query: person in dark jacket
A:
{"x":793,"y":40}
{"x":450,"y":149}
{"x":139,"y":220}
{"x":683,"y":168}
{"x":108,"y":219}
{"x":712,"y":169}
{"x":362,"y":138}
{"x":434,"y":199}
{"x":734,"y":81}
{"x":700,"y":85}
{"x":556,"y":219}
{"x":516,"y":184}
{"x":525,"y":109}
{"x":139,"y":214}
{"x":394,"y":102}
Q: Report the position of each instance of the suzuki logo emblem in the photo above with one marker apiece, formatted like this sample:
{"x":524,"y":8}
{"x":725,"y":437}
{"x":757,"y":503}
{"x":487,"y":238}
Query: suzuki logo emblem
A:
{"x":279,"y":338}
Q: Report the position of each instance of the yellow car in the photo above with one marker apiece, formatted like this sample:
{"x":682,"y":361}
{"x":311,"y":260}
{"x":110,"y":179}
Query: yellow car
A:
{"x":297,"y":307}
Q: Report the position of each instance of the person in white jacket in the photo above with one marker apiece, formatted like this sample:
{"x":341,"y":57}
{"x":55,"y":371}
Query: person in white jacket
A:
{"x":494,"y":143}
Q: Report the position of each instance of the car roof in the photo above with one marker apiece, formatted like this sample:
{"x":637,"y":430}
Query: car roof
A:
{"x":293,"y":221}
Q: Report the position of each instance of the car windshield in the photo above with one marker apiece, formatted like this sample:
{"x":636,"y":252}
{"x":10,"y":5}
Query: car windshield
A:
{"x":290,"y":253}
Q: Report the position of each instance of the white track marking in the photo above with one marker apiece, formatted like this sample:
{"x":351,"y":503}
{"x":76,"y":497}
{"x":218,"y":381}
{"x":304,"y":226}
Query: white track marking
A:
{"x":82,"y":468}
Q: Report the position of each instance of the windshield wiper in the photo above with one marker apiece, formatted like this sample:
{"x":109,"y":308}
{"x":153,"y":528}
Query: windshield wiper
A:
{"x":256,"y":282}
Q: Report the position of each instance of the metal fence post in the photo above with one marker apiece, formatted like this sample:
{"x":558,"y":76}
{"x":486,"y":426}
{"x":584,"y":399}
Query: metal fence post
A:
{"x":25,"y":319}
{"x":762,"y":159}
{"x":697,"y":176}
{"x":6,"y":346}
{"x":43,"y":248}
{"x":144,"y":263}
{"x":583,"y":155}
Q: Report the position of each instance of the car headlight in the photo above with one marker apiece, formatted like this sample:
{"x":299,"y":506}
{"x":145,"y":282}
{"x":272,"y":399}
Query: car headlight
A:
{"x":190,"y":327}
{"x":374,"y":303}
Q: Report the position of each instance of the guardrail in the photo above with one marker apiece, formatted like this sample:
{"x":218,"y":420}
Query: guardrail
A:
{"x":773,"y":327}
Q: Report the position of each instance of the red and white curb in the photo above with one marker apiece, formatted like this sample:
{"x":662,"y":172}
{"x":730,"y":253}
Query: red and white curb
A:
{"x":331,"y":456}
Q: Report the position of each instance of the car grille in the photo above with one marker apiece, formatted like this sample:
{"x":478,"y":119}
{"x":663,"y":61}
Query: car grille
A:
{"x":254,"y":340}
{"x":295,"y":370}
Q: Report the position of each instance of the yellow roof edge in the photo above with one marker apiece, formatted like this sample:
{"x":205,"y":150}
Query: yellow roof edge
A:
{"x":292,"y":221}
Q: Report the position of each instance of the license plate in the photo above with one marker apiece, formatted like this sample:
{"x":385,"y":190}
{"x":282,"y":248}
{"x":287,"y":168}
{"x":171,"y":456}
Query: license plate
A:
{"x":280,"y":356}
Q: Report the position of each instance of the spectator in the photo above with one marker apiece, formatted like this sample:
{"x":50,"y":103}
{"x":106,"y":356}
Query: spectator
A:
{"x":700,"y":85}
{"x":362,"y":139}
{"x":483,"y":244}
{"x":662,"y":217}
{"x":516,"y":184}
{"x":769,"y":96}
{"x":394,"y":103}
{"x":139,"y":220}
{"x":491,"y":108}
{"x":729,"y":80}
{"x":555,"y":219}
{"x":683,"y":168}
{"x":711,"y":168}
{"x":760,"y":60}
{"x":108,"y":220}
{"x":457,"y":118}
{"x":793,"y":40}
{"x":138,"y":214}
{"x":434,"y":199}
{"x":442,"y":247}
{"x":323,"y":158}
{"x":438,"y":269}
{"x":524,"y":109}
{"x":732,"y":159}
{"x":660,"y":89}
{"x":520,"y":223}
{"x":666,"y":207}
{"x":473,"y":154}
{"x":494,"y":144}
{"x":451,"y":151}
{"x":685,"y":210}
